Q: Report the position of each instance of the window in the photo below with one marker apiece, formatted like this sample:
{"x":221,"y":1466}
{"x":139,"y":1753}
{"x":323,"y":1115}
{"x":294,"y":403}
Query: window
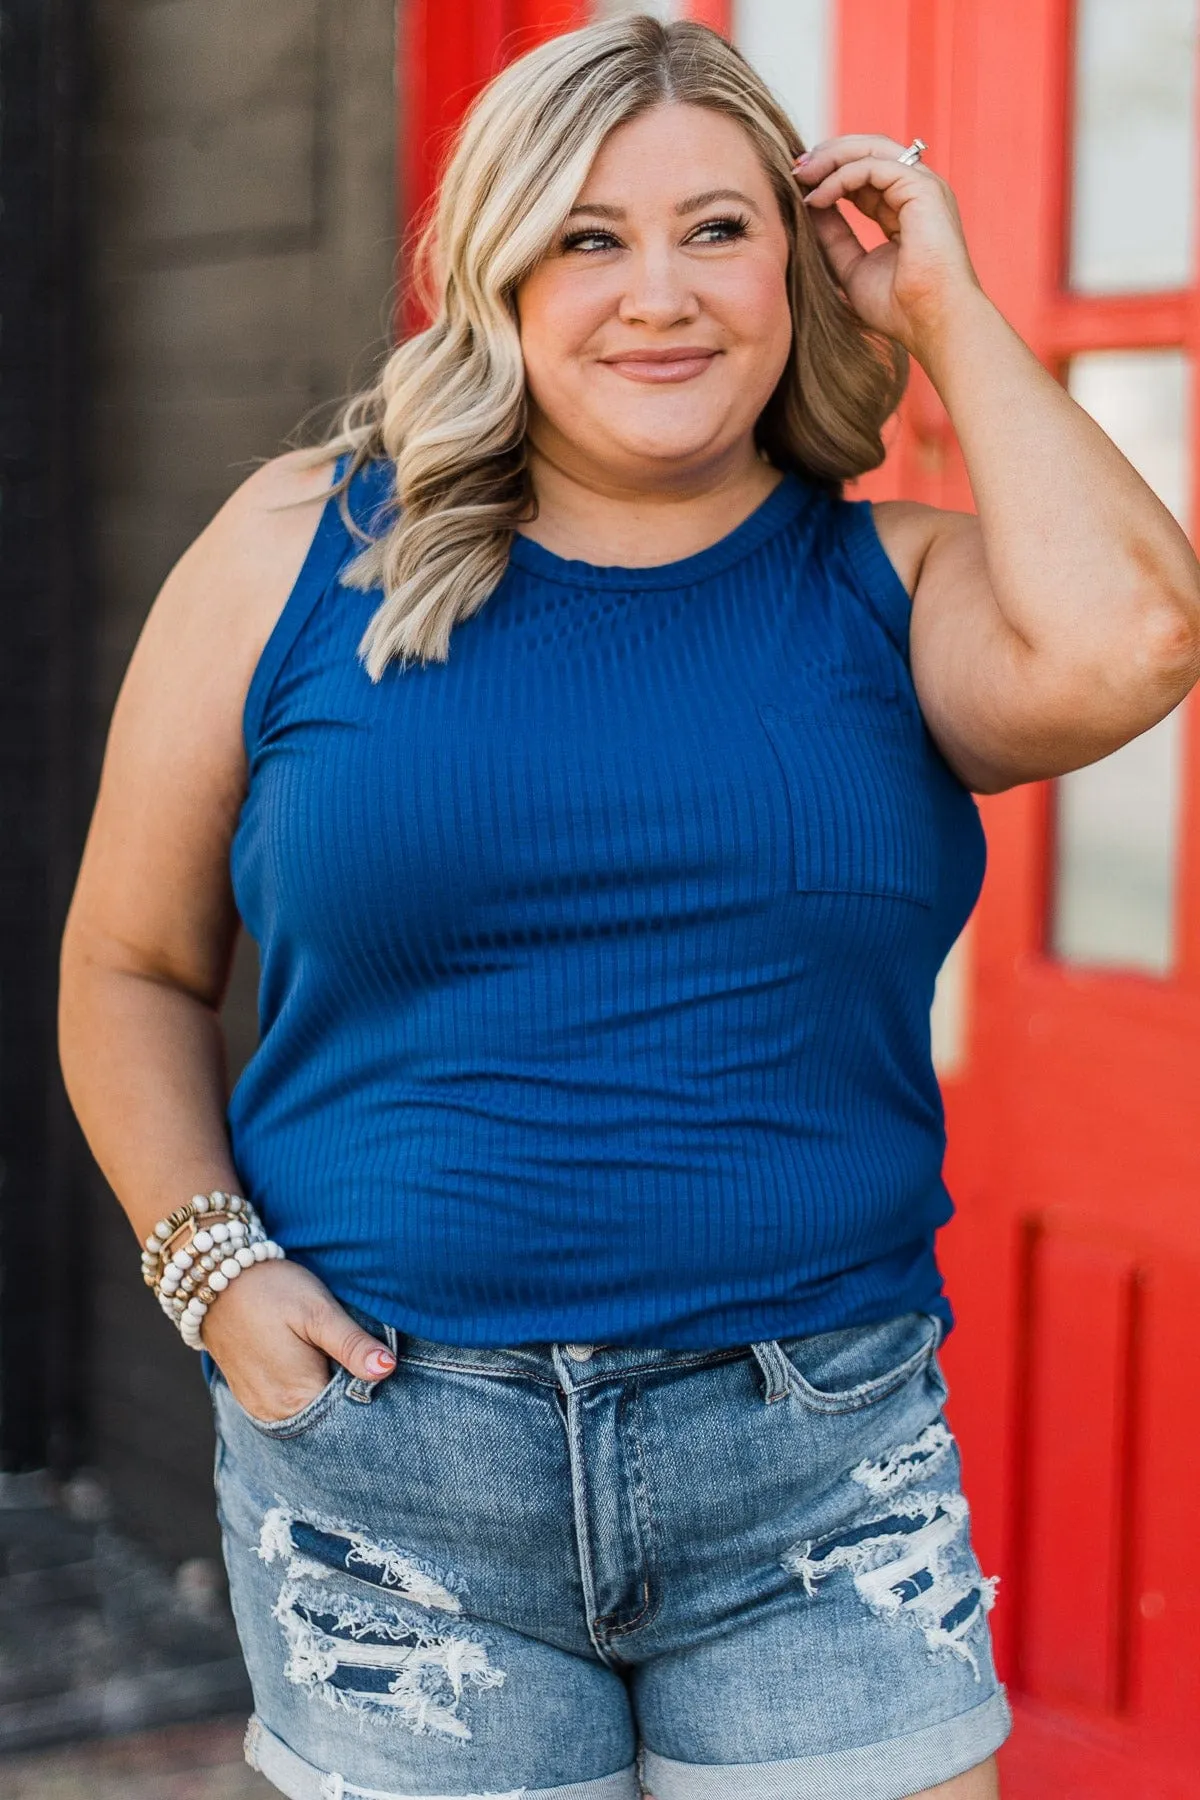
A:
{"x":1134,"y":176}
{"x":790,"y":44}
{"x":1118,"y":821}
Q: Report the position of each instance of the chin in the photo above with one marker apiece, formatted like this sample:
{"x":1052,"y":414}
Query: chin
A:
{"x":663,"y":426}
{"x":661,"y":464}
{"x":667,"y":447}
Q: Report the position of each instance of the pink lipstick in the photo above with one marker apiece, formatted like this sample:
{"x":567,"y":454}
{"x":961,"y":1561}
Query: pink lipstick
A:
{"x":682,"y":362}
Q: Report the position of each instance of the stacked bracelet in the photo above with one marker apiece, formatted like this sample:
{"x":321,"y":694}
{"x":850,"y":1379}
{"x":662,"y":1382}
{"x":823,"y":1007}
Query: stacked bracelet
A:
{"x":192,"y":1256}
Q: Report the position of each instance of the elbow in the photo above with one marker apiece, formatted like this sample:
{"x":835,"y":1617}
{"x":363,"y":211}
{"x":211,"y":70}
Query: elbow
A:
{"x":1167,"y":613}
{"x":1168,"y":649}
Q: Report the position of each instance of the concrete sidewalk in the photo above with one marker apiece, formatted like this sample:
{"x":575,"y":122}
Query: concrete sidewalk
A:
{"x":181,"y":1762}
{"x":98,"y":1638}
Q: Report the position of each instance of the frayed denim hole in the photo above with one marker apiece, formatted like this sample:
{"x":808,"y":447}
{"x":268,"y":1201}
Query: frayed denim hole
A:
{"x":372,"y":1657}
{"x":910,"y":1561}
{"x":317,"y":1547}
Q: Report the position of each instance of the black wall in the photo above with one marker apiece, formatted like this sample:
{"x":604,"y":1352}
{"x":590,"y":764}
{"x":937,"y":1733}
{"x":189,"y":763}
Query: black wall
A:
{"x":46,"y":599}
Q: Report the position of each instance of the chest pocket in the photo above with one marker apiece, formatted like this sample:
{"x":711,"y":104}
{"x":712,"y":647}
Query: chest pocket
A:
{"x":858,"y":785}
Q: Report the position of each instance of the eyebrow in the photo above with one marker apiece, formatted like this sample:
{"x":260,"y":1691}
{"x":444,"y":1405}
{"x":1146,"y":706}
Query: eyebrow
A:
{"x":597,"y":209}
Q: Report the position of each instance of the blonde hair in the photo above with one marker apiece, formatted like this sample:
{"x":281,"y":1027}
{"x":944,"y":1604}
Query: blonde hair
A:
{"x":449,"y":407}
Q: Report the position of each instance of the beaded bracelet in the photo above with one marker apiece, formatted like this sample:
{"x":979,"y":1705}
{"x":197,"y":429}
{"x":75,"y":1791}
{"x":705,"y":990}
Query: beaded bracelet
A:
{"x":225,"y":1236}
{"x":166,"y":1253}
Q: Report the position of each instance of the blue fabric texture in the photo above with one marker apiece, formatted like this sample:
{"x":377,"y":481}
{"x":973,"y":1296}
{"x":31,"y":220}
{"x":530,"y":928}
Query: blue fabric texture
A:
{"x":542,"y":1571}
{"x":597,"y":961}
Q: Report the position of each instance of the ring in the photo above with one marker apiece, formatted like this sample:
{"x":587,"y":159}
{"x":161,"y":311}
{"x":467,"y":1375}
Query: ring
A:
{"x":914,"y":152}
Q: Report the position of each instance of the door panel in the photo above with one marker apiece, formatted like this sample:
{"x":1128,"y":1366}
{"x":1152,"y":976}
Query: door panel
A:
{"x":1078,"y":1388}
{"x":1164,"y":1623}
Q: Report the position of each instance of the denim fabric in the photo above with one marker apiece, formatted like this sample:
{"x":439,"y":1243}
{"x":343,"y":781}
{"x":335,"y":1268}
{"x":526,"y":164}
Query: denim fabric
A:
{"x":571,"y":1572}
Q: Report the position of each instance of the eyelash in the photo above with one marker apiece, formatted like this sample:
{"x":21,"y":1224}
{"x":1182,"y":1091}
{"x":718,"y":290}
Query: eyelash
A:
{"x":736,"y":225}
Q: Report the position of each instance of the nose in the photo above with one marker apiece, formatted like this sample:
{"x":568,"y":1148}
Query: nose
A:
{"x":659,"y":290}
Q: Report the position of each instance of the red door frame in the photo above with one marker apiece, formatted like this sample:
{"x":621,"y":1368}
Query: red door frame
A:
{"x":988,"y":87}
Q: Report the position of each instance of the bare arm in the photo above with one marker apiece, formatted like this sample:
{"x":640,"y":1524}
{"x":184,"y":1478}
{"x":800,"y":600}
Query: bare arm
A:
{"x":150,"y":933}
{"x":1065,"y":619}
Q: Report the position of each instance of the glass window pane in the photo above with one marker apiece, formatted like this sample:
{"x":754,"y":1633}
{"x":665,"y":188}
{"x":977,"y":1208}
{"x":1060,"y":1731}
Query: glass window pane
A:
{"x":789,"y":43}
{"x":611,"y":9}
{"x":1118,"y":821}
{"x":1132,"y":206}
{"x":1140,"y":397}
{"x":1117,"y":836}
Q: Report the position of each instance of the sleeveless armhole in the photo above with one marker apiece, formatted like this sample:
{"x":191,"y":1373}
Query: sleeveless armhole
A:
{"x":881,"y":586}
{"x":322,"y":560}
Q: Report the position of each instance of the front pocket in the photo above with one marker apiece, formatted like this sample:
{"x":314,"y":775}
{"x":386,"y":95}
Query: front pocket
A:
{"x":857,"y":776}
{"x":844,"y":1371}
{"x":295,"y":1423}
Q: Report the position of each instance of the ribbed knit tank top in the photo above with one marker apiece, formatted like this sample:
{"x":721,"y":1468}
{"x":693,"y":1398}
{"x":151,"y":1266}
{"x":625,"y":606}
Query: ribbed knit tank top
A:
{"x":597,"y":961}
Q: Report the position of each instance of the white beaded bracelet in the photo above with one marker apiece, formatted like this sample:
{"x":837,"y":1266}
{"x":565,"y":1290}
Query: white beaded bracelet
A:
{"x":227,"y":1237}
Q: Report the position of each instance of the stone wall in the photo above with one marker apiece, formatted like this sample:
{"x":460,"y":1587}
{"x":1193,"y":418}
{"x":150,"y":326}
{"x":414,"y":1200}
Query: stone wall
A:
{"x":241,"y":267}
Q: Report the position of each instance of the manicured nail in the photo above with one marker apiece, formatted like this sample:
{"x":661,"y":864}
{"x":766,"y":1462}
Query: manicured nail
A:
{"x":380,"y":1362}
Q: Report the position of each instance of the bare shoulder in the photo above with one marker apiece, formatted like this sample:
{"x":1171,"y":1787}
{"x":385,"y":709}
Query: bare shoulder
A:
{"x":219,"y":604}
{"x":909,"y":530}
{"x":240,"y":570}
{"x":178,"y":720}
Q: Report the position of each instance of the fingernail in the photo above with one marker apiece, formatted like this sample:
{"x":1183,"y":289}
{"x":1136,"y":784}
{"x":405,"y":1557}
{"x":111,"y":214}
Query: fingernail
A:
{"x":380,"y":1362}
{"x":802,"y":158}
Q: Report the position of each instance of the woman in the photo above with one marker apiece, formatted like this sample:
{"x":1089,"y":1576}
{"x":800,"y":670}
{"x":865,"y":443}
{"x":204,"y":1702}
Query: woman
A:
{"x":602,"y":813}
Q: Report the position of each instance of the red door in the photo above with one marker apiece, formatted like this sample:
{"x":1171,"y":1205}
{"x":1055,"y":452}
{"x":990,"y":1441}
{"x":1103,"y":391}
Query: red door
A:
{"x":1069,"y":1019}
{"x":1074,"y":1122}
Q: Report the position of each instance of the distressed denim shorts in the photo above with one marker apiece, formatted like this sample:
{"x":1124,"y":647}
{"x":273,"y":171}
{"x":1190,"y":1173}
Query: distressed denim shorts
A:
{"x":590,"y":1571}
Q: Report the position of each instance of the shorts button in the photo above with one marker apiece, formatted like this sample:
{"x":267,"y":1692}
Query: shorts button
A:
{"x":580,"y":1352}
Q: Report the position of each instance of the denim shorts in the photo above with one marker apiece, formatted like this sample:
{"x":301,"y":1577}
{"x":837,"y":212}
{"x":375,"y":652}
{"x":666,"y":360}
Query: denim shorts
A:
{"x":590,"y":1571}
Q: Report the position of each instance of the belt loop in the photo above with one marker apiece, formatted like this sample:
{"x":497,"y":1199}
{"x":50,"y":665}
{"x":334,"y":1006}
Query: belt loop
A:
{"x":776,"y":1372}
{"x":364,"y":1391}
{"x":333,"y":1787}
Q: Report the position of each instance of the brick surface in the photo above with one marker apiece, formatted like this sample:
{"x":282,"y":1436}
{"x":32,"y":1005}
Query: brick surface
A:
{"x":97,"y":1637}
{"x":194,"y":1762}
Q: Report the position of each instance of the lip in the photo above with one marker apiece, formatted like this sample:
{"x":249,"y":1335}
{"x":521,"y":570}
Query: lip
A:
{"x":682,"y":362}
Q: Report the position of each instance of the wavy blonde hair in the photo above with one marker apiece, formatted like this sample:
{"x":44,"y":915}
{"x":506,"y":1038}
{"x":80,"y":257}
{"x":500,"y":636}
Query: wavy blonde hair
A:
{"x":449,"y":407}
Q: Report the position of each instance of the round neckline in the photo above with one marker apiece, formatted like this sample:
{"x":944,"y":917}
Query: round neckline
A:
{"x":782,"y":505}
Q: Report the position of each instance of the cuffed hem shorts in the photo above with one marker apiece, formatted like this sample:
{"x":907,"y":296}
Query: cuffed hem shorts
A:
{"x":585,"y":1572}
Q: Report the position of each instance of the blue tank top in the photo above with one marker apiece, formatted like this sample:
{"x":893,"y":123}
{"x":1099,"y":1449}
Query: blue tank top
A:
{"x":597,"y":961}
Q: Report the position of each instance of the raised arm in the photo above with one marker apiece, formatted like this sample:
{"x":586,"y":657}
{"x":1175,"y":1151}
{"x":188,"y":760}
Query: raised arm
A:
{"x":1065,"y":618}
{"x":150,"y":933}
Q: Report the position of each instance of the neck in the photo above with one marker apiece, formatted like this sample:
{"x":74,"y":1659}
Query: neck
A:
{"x":592,"y":517}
